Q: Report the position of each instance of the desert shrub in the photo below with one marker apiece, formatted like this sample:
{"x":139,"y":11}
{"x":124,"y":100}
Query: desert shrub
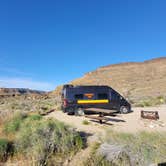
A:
{"x":44,"y":138}
{"x":85,"y":122}
{"x":151,"y":102}
{"x":15,"y":106}
{"x":20,"y":105}
{"x":144,"y":103}
{"x":3,"y":149}
{"x":35,"y":117}
{"x":5,"y":115}
{"x":160,"y":100}
{"x":6,"y":149}
{"x":40,"y":139}
{"x":96,"y":159}
{"x":28,"y":104}
{"x":144,"y":147}
{"x":13,"y":124}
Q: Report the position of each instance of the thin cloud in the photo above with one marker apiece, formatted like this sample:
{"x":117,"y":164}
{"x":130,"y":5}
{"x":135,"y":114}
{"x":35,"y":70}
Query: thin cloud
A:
{"x":14,"y":71}
{"x":26,"y":83}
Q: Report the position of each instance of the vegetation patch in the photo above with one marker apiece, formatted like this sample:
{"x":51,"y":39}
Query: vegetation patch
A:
{"x":143,"y":148}
{"x":13,"y":125}
{"x":6,"y":149}
{"x":151,"y":102}
{"x":95,"y":159}
{"x":85,"y":122}
{"x":28,"y":103}
{"x":35,"y":117}
{"x":40,"y":139}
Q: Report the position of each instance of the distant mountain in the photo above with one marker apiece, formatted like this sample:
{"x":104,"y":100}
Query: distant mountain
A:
{"x":136,"y":80}
{"x":18,"y":91}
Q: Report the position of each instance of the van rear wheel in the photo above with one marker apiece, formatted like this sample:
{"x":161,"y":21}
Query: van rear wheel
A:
{"x":79,"y":111}
{"x":124,"y":109}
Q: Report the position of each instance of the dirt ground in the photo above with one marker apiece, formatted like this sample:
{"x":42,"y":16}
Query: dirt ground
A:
{"x":131,"y":122}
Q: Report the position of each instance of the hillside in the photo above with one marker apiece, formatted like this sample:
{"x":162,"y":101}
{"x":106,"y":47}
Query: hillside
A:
{"x":136,"y":81}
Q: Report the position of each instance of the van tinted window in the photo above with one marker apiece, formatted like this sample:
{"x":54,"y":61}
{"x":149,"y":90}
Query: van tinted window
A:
{"x":102,"y":96}
{"x":79,"y":96}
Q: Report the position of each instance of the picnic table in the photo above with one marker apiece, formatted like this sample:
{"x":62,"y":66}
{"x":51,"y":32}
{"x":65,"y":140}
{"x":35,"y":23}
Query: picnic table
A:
{"x":102,"y":113}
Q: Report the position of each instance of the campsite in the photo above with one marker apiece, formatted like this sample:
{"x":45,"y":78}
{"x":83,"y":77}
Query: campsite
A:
{"x":83,"y":83}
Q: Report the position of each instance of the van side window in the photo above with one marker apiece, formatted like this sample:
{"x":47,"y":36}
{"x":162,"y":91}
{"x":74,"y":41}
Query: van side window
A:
{"x":113,"y":95}
{"x":102,"y":96}
{"x":79,"y":96}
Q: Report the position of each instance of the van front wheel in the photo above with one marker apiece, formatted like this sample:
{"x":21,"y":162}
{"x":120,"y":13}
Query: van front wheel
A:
{"x":124,"y":110}
{"x":70,"y":111}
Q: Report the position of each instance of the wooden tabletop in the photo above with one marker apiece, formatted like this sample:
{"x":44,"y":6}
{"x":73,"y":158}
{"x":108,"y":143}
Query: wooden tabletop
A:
{"x":100,"y":110}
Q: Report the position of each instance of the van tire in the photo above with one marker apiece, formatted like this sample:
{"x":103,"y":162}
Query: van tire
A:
{"x":124,"y":109}
{"x":64,"y":111}
{"x":79,"y":111}
{"x":70,"y":111}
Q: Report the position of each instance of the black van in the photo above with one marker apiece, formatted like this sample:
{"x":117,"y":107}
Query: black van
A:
{"x":81,"y":97}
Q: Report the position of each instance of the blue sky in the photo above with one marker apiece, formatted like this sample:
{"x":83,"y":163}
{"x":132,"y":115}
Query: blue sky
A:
{"x":47,"y":43}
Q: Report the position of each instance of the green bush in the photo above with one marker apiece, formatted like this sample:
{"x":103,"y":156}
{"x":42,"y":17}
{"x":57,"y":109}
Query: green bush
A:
{"x":35,"y":117}
{"x":5,"y":149}
{"x":45,"y":138}
{"x":40,"y":139}
{"x":85,"y":122}
{"x":13,"y":125}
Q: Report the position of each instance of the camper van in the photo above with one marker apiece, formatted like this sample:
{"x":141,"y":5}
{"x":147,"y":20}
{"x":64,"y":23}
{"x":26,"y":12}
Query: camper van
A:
{"x":84,"y":97}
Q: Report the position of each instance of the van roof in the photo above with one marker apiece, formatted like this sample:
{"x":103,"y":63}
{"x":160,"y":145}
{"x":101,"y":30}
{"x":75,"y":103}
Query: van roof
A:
{"x":85,"y":87}
{"x":89,"y":86}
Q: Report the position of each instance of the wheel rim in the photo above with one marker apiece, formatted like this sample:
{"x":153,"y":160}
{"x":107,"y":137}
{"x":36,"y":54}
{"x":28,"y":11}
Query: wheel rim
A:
{"x":80,"y":111}
{"x":124,"y":109}
{"x":70,"y":110}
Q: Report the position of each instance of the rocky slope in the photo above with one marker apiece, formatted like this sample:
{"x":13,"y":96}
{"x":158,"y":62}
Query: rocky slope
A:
{"x":136,"y":81}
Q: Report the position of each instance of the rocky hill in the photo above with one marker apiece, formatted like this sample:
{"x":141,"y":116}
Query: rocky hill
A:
{"x":18,"y":92}
{"x":136,"y":81}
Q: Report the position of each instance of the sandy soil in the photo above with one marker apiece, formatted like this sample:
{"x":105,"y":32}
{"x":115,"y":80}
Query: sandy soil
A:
{"x":122,"y":122}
